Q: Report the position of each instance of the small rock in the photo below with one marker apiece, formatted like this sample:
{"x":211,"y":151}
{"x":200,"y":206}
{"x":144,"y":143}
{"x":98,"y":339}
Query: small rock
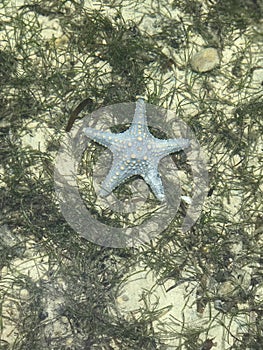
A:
{"x":226,"y":289}
{"x":205,"y":60}
{"x":208,"y":344}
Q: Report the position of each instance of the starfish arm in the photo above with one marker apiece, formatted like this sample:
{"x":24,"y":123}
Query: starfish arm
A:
{"x":105,"y":138}
{"x":153,"y":179}
{"x":118,"y":173}
{"x":164,"y":147}
{"x":139,"y":123}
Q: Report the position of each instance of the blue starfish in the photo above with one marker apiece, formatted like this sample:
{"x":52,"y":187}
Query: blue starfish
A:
{"x":135,"y":152}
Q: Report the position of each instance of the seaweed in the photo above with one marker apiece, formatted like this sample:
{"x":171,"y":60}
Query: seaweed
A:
{"x":59,"y":290}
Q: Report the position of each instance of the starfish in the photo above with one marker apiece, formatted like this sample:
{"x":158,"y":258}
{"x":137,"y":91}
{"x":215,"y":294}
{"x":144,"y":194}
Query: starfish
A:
{"x":135,"y":152}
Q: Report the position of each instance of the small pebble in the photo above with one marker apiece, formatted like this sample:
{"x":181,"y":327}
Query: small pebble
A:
{"x":205,"y":60}
{"x":42,"y":315}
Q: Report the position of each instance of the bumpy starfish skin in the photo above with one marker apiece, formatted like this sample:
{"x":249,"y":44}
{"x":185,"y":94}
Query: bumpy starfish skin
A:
{"x":135,"y":152}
